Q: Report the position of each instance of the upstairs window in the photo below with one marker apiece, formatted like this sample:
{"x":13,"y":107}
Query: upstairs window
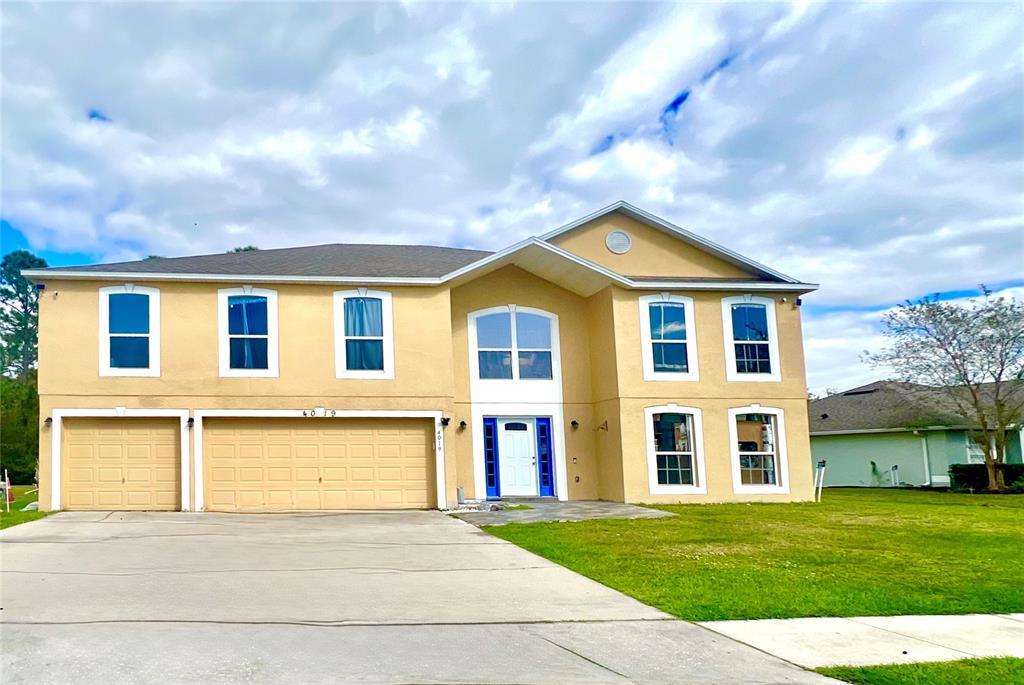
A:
{"x":364,"y":347}
{"x":751,"y":339}
{"x":668,"y":337}
{"x":129,"y":331}
{"x":519,"y":352}
{"x":758,"y":449}
{"x":248,"y":332}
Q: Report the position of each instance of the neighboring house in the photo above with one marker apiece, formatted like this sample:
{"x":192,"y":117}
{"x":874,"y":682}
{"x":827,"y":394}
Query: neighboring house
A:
{"x":618,"y":358}
{"x":864,"y":432}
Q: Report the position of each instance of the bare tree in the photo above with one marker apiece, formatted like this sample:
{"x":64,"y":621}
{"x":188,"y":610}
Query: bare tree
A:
{"x":972,"y":355}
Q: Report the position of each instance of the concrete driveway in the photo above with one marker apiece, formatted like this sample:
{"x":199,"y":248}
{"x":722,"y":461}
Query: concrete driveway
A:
{"x":412,"y":597}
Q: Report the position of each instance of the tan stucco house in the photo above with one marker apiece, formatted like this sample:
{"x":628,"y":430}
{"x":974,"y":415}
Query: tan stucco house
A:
{"x":618,"y":357}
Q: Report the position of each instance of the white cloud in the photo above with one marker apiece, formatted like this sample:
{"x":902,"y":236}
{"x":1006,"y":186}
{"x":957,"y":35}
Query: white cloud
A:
{"x":860,"y":157}
{"x":873,"y":148}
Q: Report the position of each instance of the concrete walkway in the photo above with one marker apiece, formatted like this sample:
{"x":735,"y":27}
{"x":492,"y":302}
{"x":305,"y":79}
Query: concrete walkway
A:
{"x":401,"y":597}
{"x":872,"y":640}
{"x":560,"y":511}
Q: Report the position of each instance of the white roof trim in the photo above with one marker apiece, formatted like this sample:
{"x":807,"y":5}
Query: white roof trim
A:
{"x":224,"y":278}
{"x":672,"y":229}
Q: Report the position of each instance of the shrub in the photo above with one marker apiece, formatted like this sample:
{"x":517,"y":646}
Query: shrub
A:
{"x":975,"y":476}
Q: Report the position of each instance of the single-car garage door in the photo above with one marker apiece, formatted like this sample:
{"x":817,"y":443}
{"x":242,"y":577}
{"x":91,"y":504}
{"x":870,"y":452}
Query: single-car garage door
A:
{"x":121,"y":463}
{"x":289,"y":464}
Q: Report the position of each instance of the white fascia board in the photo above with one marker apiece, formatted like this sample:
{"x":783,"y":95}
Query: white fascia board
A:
{"x":130,"y":276}
{"x":659,"y":223}
{"x":864,"y":431}
{"x":725,"y":285}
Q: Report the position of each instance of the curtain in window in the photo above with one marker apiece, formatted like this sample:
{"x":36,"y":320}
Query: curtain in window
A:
{"x":248,"y":330}
{"x":364,"y":317}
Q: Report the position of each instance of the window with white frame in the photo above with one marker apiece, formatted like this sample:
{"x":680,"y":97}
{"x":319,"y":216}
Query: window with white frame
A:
{"x":758,"y":449}
{"x":751,"y":340}
{"x":129,"y":331}
{"x":674,"y":450}
{"x":975,"y":452}
{"x":514,"y":352}
{"x":668,"y":337}
{"x":247,"y":320}
{"x":363,"y":334}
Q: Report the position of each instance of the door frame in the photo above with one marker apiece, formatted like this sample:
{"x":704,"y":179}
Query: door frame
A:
{"x":322,"y":413}
{"x":531,"y":422}
{"x":535,"y":421}
{"x":56,"y":430}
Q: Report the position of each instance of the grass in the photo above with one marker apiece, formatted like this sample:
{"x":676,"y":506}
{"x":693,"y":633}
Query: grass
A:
{"x":517,"y":507}
{"x":965,"y":672}
{"x":16,"y":515}
{"x":860,"y":552}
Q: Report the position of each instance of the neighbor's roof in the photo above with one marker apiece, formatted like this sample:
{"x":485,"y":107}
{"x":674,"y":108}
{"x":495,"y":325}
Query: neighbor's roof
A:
{"x":335,"y":260}
{"x":887,"y":405}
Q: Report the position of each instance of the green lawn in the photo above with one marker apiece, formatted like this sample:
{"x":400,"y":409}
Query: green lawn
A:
{"x":966,"y":672}
{"x":860,"y":552}
{"x":16,"y":515}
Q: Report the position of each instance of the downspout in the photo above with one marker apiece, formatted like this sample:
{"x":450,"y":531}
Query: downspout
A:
{"x":927,"y":464}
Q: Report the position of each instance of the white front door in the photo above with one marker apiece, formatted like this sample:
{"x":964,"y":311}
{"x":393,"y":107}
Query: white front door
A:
{"x":517,"y":457}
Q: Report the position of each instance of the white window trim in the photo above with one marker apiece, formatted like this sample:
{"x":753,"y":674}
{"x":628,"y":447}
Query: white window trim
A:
{"x":730,"y":344}
{"x":700,"y":477}
{"x":223,"y":339}
{"x":154,"y":330}
{"x":647,"y":350}
{"x":340,"y":360}
{"x":781,"y":465}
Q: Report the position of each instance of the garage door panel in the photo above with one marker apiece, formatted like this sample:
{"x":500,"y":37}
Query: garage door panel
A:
{"x":318,"y":463}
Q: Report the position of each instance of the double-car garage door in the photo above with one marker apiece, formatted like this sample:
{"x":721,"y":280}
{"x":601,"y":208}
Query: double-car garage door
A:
{"x":251,"y":464}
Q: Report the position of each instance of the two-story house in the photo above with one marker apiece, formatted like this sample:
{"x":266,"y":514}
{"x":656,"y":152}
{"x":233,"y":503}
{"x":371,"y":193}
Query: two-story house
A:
{"x":618,"y":357}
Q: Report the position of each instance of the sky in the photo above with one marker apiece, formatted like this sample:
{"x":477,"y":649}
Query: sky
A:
{"x":876,"y":149}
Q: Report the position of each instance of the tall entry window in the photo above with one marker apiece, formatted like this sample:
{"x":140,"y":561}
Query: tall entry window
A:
{"x":364,"y":334}
{"x":129,"y":331}
{"x":751,"y":341}
{"x":668,"y":337}
{"x":248,"y":332}
{"x":514,"y":345}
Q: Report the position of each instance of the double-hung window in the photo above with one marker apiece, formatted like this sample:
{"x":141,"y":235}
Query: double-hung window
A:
{"x":758,"y":450}
{"x":129,"y":331}
{"x":751,"y":340}
{"x":363,"y":334}
{"x":522,"y":351}
{"x":668,"y":337}
{"x":247,"y":318}
{"x":675,"y":454}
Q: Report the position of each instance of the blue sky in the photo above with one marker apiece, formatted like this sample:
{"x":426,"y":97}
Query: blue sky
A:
{"x":875,"y":148}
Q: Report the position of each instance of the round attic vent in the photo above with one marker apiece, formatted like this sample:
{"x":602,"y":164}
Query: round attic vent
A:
{"x":618,"y":242}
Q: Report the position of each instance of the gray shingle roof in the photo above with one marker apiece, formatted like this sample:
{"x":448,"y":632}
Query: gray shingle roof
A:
{"x":335,"y":260}
{"x":884,"y":404}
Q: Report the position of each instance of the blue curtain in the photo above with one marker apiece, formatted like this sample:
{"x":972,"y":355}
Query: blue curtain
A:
{"x":247,"y":315}
{"x":364,"y":355}
{"x":363,"y":317}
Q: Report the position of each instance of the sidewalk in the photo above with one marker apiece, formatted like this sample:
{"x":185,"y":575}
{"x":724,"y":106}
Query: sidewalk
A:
{"x":873,"y":640}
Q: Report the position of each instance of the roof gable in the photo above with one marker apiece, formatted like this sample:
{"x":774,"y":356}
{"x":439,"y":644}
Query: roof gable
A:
{"x":661,"y":249}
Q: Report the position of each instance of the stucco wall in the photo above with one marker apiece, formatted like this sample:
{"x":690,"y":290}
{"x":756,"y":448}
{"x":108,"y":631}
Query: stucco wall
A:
{"x":654,"y":252}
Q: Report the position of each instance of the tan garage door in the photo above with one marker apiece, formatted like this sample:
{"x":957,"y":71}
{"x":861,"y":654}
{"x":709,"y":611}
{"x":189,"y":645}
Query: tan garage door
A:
{"x":123,"y":463}
{"x":293,"y":464}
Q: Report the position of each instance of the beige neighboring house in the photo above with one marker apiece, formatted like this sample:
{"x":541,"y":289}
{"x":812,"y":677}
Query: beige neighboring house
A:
{"x":618,"y":358}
